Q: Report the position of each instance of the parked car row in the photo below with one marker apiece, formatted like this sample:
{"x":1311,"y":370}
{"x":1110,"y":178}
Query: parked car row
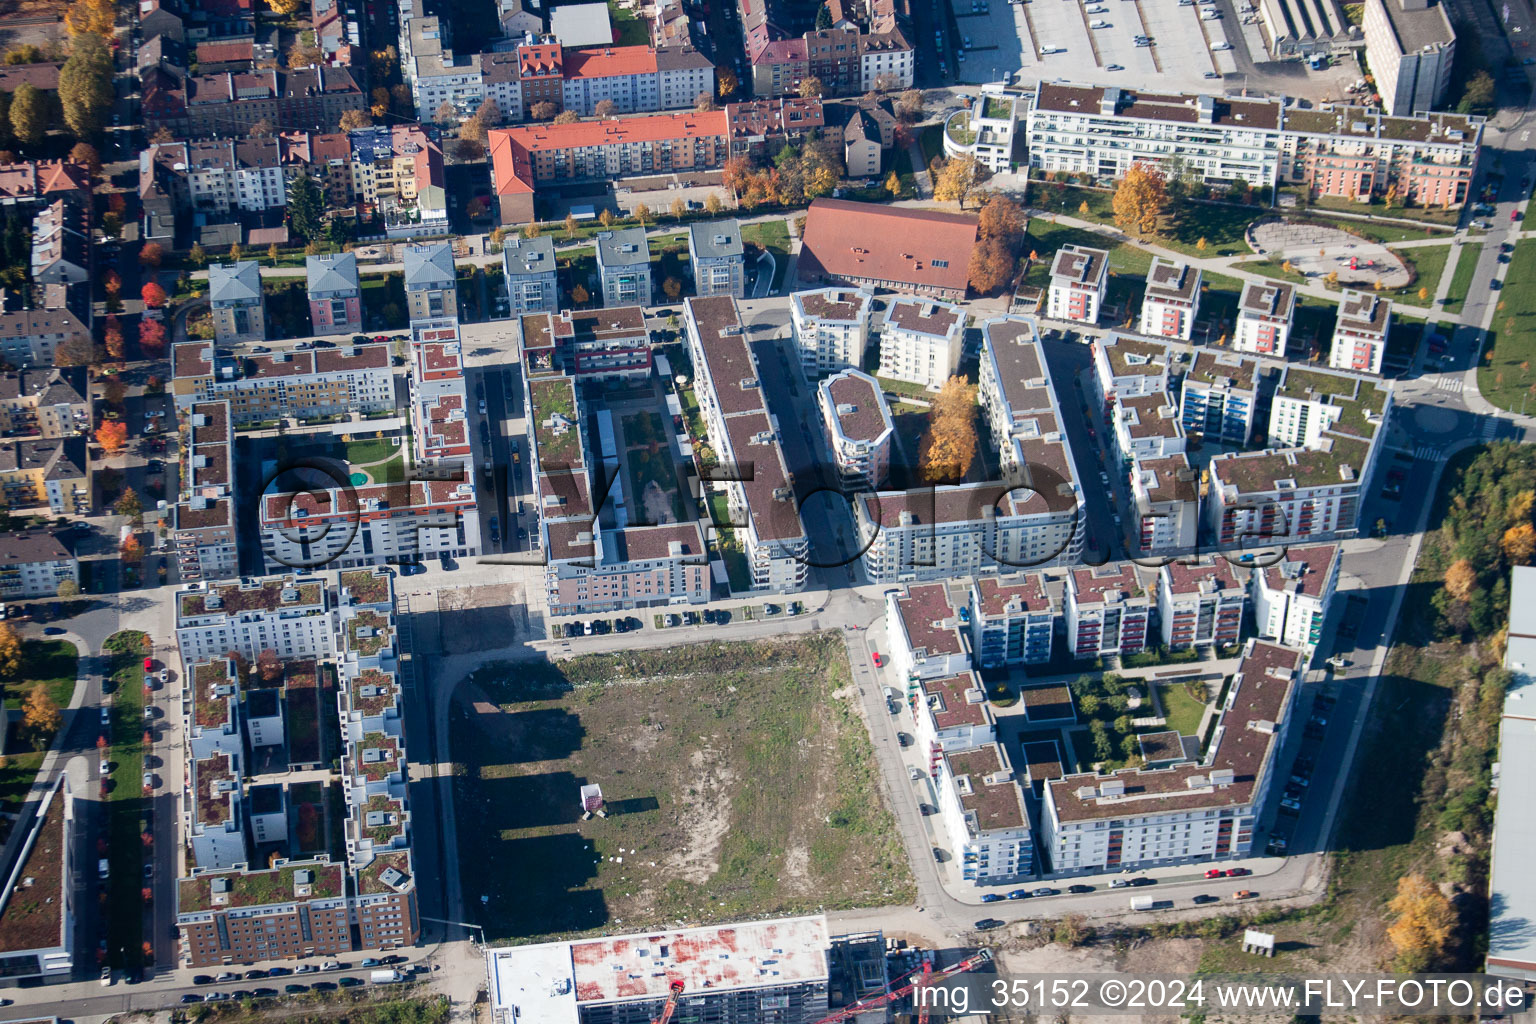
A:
{"x":597,"y":627}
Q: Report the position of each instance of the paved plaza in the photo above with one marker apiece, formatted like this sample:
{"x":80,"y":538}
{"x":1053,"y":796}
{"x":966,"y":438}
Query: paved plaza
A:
{"x":1319,"y":251}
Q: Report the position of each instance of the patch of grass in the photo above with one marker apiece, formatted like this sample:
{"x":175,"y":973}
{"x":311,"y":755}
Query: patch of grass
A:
{"x":126,"y":802}
{"x":931,"y":141}
{"x":628,"y":30}
{"x":772,"y":235}
{"x":1044,"y":238}
{"x":1428,"y":262}
{"x":1461,"y":280}
{"x":1503,"y":377}
{"x":739,"y":787}
{"x":50,"y":664}
{"x":1184,"y":712}
{"x":648,"y":466}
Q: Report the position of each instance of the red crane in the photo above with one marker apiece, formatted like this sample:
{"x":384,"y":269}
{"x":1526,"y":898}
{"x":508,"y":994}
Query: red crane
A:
{"x":904,"y":985}
{"x":675,"y":989}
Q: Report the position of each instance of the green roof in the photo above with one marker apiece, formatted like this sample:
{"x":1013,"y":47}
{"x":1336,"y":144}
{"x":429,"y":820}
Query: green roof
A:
{"x":271,"y":887}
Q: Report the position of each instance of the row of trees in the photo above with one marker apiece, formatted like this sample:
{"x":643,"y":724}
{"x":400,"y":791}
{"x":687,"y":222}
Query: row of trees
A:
{"x":797,"y":175}
{"x":85,"y":93}
{"x":999,"y":239}
{"x":948,"y":447}
{"x":1488,"y":528}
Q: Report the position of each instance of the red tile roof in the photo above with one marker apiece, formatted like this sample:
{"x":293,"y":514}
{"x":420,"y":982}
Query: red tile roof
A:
{"x":610,"y":61}
{"x":510,"y":147}
{"x":854,"y":241}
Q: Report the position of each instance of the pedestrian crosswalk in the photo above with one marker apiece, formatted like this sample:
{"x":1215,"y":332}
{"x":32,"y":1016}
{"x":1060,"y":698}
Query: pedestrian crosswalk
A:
{"x":1489,"y":428}
{"x":1427,"y":453}
{"x":1453,"y":384}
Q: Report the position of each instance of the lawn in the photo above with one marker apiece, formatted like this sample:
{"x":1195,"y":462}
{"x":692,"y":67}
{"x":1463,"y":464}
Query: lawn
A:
{"x":648,"y":466}
{"x":931,"y":142}
{"x":16,"y":778}
{"x":50,"y":664}
{"x":369,"y":450}
{"x":772,"y":235}
{"x":1045,"y":237}
{"x":740,"y":787}
{"x":1221,"y":225}
{"x":1505,"y":378}
{"x":126,"y":802}
{"x":1429,"y":263}
{"x":1461,"y":280}
{"x":628,"y":30}
{"x":1183,"y":711}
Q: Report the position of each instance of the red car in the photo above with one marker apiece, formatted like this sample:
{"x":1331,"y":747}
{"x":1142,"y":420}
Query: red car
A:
{"x":149,"y":663}
{"x":875,"y":657}
{"x":1238,"y":872}
{"x":1215,"y":873}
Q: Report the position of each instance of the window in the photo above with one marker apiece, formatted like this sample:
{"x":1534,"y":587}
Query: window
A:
{"x":941,"y":263}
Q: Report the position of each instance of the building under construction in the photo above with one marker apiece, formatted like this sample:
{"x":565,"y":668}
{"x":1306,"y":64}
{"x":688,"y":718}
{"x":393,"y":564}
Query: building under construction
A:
{"x":758,"y":972}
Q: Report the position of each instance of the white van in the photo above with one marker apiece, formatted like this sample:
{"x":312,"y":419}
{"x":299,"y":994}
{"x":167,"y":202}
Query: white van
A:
{"x":1052,"y":48}
{"x":1098,"y":23}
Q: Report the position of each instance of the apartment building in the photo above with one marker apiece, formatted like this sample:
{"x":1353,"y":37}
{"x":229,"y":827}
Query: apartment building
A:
{"x":850,"y":243}
{"x":372,"y":524}
{"x":1430,"y":158}
{"x":949,"y":713}
{"x":34,"y":564}
{"x":858,"y":426}
{"x":1187,"y":812}
{"x":924,"y":632}
{"x":290,"y":910}
{"x":61,"y":253}
{"x":1200,"y":604}
{"x":237,"y":301}
{"x":215,"y":825}
{"x":431,"y":281}
{"x":982,"y":808}
{"x":989,"y":125}
{"x":603,"y":344}
{"x":1109,"y":610}
{"x":290,"y":615}
{"x":397,"y":171}
{"x":528,"y":265}
{"x":1411,"y":47}
{"x":43,"y":403}
{"x":718,"y":259}
{"x":624,"y":267}
{"x":848,"y":61}
{"x":501,"y":76}
{"x":732,"y":972}
{"x":921,"y":341}
{"x":1076,"y":292}
{"x":635,"y":79}
{"x":297,"y":383}
{"x":31,"y":337}
{"x":761,"y":128}
{"x":742,"y":432}
{"x":1104,"y":131}
{"x":830,"y":327}
{"x":223,"y":175}
{"x":1264,"y":312}
{"x":205,"y":521}
{"x":609,"y":558}
{"x":530,"y":156}
{"x":1014,"y":618}
{"x":1144,"y":427}
{"x":1360,"y":334}
{"x":1219,"y":396}
{"x":37,"y":903}
{"x":52,"y":473}
{"x":438,"y":76}
{"x":886,"y":61}
{"x":1172,"y":300}
{"x":1167,"y":496}
{"x":335,"y":295}
{"x":1291,"y":596}
{"x":1130,"y":367}
{"x":1309,"y":488}
{"x":440,"y":406}
{"x":232,"y":104}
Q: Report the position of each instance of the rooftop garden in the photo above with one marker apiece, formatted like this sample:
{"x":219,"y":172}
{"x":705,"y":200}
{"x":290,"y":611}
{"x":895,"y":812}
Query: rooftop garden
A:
{"x":959,"y":129}
{"x":366,"y":587}
{"x":373,"y":702}
{"x":383,"y":835}
{"x":33,"y":913}
{"x":377,"y":769}
{"x":266,"y":597}
{"x":303,"y":722}
{"x":368,"y":633}
{"x":210,"y":710}
{"x":369,"y":882}
{"x":262,"y":888}
{"x":997,"y":108}
{"x":551,"y":397}
{"x":212,"y":799}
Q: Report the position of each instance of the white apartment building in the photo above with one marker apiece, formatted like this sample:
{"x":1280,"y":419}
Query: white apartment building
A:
{"x":1146,"y":427}
{"x":532,"y":279}
{"x":286,"y":614}
{"x":1219,"y":396}
{"x":1104,"y":131}
{"x":1199,"y":605}
{"x":1186,"y":812}
{"x":1076,"y":291}
{"x":205,"y":523}
{"x":985,"y":131}
{"x":437,"y":76}
{"x":1291,"y":596}
{"x":1411,"y":47}
{"x":230,"y":174}
{"x":1014,"y":392}
{"x":982,"y":808}
{"x":948,"y":713}
{"x":831,"y":328}
{"x":501,"y":77}
{"x":885,"y":55}
{"x":1166,"y":492}
{"x":924,"y":632}
{"x":921,"y":341}
{"x":858,"y":426}
{"x":1014,"y":618}
{"x":741,"y":431}
{"x":33,"y":564}
{"x":1360,"y":334}
{"x":212,"y":721}
{"x":300,"y":383}
{"x":215,"y":810}
{"x":681,"y":74}
{"x":1109,"y":610}
{"x":1264,"y":313}
{"x":1172,"y":300}
{"x":1130,"y":367}
{"x":1308,"y":403}
{"x":370,"y":525}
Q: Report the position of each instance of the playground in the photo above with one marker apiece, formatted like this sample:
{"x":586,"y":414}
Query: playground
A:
{"x":1316,"y":251}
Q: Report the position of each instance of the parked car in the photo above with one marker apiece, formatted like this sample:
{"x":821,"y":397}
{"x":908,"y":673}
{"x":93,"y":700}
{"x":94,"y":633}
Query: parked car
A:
{"x":988,"y":923}
{"x":1238,"y":872}
{"x":1244,"y":894}
{"x":992,"y":897}
{"x":1079,"y":888}
{"x":875,"y":657}
{"x":1019,"y":894}
{"x":1206,"y":897}
{"x":1046,"y":890}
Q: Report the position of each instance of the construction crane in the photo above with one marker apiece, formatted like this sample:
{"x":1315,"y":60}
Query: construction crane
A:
{"x":905,"y":983}
{"x":674,"y":989}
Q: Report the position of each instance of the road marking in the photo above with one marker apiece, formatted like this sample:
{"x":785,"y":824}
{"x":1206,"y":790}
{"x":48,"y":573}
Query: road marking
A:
{"x":1490,"y":427}
{"x":1427,"y":453}
{"x":1450,"y":384}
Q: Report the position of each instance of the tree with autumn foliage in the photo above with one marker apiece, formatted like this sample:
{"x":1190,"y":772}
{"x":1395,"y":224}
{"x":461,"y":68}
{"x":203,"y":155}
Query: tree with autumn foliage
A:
{"x":1423,"y":924}
{"x":1000,"y":235}
{"x":151,"y":338}
{"x":948,"y":447}
{"x":41,"y":717}
{"x":112,"y":435}
{"x":153,"y":295}
{"x":112,"y":337}
{"x":10,"y":651}
{"x":1139,"y":199}
{"x":130,"y":550}
{"x":151,"y":254}
{"x":1519,"y":544}
{"x":957,"y":179}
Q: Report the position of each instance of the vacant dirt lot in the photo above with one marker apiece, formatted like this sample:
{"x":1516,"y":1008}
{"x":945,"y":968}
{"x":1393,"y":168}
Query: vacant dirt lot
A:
{"x":739,"y":782}
{"x":482,"y":618}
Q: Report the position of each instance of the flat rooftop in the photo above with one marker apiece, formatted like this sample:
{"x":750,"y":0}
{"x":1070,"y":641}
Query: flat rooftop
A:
{"x":929,"y":620}
{"x":984,"y":782}
{"x":1168,"y":281}
{"x":956,"y":701}
{"x":549,"y":983}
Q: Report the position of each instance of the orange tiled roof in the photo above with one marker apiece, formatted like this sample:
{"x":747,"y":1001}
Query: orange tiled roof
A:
{"x":510,"y":147}
{"x":610,"y":61}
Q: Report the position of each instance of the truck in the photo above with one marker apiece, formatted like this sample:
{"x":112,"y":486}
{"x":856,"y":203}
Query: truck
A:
{"x":385,"y":977}
{"x":1149,"y":903}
